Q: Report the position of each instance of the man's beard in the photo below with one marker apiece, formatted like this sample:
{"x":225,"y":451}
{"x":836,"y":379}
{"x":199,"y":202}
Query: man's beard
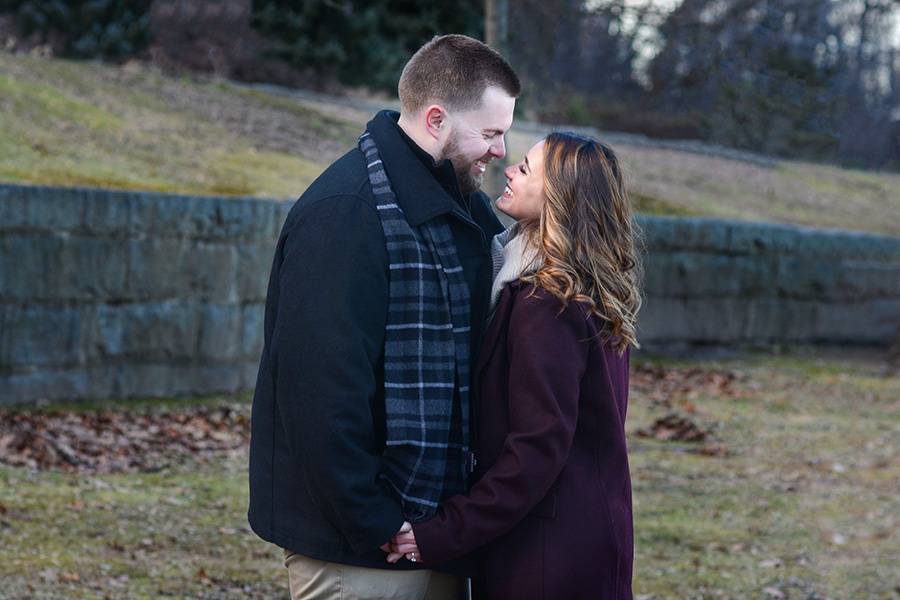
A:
{"x":468,"y":182}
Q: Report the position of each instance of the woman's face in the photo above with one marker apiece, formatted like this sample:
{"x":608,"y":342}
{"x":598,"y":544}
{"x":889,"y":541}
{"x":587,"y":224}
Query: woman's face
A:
{"x":523,"y":198}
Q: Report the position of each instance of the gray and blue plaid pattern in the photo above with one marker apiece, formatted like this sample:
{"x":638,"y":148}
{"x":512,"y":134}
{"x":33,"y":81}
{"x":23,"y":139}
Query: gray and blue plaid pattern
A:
{"x":426,"y":354}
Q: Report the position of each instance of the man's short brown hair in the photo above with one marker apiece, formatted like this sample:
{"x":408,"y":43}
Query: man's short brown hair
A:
{"x":454,"y":70}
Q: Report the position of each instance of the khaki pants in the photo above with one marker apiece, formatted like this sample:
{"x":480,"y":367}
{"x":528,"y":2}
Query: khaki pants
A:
{"x":312,"y":579}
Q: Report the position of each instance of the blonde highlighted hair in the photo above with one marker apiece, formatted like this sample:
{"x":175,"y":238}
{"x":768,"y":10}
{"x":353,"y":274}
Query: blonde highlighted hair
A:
{"x":586,"y":238}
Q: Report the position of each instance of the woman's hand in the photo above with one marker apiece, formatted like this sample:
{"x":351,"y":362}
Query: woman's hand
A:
{"x":388,"y":545}
{"x":404,"y":544}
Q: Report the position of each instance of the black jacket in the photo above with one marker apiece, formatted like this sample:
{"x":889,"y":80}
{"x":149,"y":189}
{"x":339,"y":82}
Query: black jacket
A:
{"x":318,"y":421}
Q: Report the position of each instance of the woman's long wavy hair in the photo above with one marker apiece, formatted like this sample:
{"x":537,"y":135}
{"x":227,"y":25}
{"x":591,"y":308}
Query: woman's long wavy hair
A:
{"x":586,"y":238}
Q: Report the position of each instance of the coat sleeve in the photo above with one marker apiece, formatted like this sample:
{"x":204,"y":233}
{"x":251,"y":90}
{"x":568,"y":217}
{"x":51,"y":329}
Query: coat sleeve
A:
{"x":327,"y":342}
{"x":548,"y":357}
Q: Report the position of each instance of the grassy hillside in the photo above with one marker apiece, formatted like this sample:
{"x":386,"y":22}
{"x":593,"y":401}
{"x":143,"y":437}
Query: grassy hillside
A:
{"x":799,"y":503}
{"x":74,"y":123}
{"x":71,"y":123}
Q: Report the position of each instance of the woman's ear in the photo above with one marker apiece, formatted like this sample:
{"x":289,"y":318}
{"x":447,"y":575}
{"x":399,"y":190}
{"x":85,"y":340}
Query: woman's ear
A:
{"x":435,"y":121}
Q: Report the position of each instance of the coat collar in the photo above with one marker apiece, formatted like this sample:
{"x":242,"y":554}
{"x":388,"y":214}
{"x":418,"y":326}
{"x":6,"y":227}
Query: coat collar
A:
{"x":415,"y":177}
{"x":498,"y":324}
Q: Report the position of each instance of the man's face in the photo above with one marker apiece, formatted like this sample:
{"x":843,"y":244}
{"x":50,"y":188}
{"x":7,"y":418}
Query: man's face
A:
{"x":476,"y":137}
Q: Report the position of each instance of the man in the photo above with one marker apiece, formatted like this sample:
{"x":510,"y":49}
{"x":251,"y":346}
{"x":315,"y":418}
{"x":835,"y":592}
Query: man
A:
{"x":377,"y":301}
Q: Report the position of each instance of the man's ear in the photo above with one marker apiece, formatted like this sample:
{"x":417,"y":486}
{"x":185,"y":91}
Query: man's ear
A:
{"x":436,"y":121}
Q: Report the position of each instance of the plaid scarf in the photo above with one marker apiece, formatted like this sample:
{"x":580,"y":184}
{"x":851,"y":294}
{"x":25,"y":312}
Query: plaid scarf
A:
{"x":426,"y":354}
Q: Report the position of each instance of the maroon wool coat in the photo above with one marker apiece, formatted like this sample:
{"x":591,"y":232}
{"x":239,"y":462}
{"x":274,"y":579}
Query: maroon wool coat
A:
{"x":553,"y":498}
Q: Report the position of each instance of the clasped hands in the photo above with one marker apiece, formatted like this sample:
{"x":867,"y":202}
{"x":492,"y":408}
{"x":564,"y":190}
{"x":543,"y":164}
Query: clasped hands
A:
{"x":402,"y":544}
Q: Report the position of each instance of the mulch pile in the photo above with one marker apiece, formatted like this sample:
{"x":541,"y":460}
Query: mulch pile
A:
{"x":116,"y":442}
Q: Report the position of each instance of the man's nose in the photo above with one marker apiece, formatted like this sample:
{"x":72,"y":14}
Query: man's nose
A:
{"x":498,"y":148}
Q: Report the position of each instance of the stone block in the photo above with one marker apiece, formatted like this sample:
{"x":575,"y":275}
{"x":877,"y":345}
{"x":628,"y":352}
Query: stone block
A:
{"x":85,"y":268}
{"x":249,"y":373}
{"x":781,"y":320}
{"x":60,"y":266}
{"x":672,"y":233}
{"x":866,"y":279}
{"x":241,"y":219}
{"x":210,"y":272}
{"x":670,"y":320}
{"x":163,"y":268}
{"x":867,"y":322}
{"x":252,"y":331}
{"x":43,"y":336}
{"x":110,"y":214}
{"x":27,"y":264}
{"x":728,"y":320}
{"x":254,"y":262}
{"x":203,"y":218}
{"x":695,"y":274}
{"x":40,"y":208}
{"x":220,"y":333}
{"x":148,"y":380}
{"x":14,"y":201}
{"x":148,"y":331}
{"x":761,"y":238}
{"x":38,"y":385}
{"x":215,"y":379}
{"x":154,"y":268}
{"x":164,"y":215}
{"x":812,"y":277}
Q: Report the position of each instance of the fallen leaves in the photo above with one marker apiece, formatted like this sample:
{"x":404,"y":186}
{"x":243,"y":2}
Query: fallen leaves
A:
{"x":674,"y":427}
{"x":668,"y":386}
{"x":678,"y":428}
{"x":118,"y":441}
{"x":682,"y":390}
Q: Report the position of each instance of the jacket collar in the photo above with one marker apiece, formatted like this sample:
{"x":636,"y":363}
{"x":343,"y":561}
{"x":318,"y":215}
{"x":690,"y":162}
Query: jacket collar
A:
{"x":415,"y":177}
{"x":497,"y":324}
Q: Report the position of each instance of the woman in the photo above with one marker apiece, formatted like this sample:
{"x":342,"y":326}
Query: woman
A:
{"x":552,"y":505}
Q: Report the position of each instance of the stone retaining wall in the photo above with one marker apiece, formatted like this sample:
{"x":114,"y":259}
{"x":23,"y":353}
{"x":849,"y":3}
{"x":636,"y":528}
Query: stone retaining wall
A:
{"x":117,"y":294}
{"x":724,"y":282}
{"x":122,"y":294}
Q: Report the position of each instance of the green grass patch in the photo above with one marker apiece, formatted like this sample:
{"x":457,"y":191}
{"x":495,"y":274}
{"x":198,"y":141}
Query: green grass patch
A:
{"x":800,"y":505}
{"x":77,"y":123}
{"x":804,"y":503}
{"x":85,"y":124}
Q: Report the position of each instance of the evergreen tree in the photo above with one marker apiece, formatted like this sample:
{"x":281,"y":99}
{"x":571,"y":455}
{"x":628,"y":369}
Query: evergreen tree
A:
{"x":360,"y":42}
{"x":111,"y":29}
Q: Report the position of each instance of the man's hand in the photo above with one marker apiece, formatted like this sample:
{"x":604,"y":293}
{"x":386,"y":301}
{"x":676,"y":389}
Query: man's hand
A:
{"x":388,"y":546}
{"x":404,"y":544}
